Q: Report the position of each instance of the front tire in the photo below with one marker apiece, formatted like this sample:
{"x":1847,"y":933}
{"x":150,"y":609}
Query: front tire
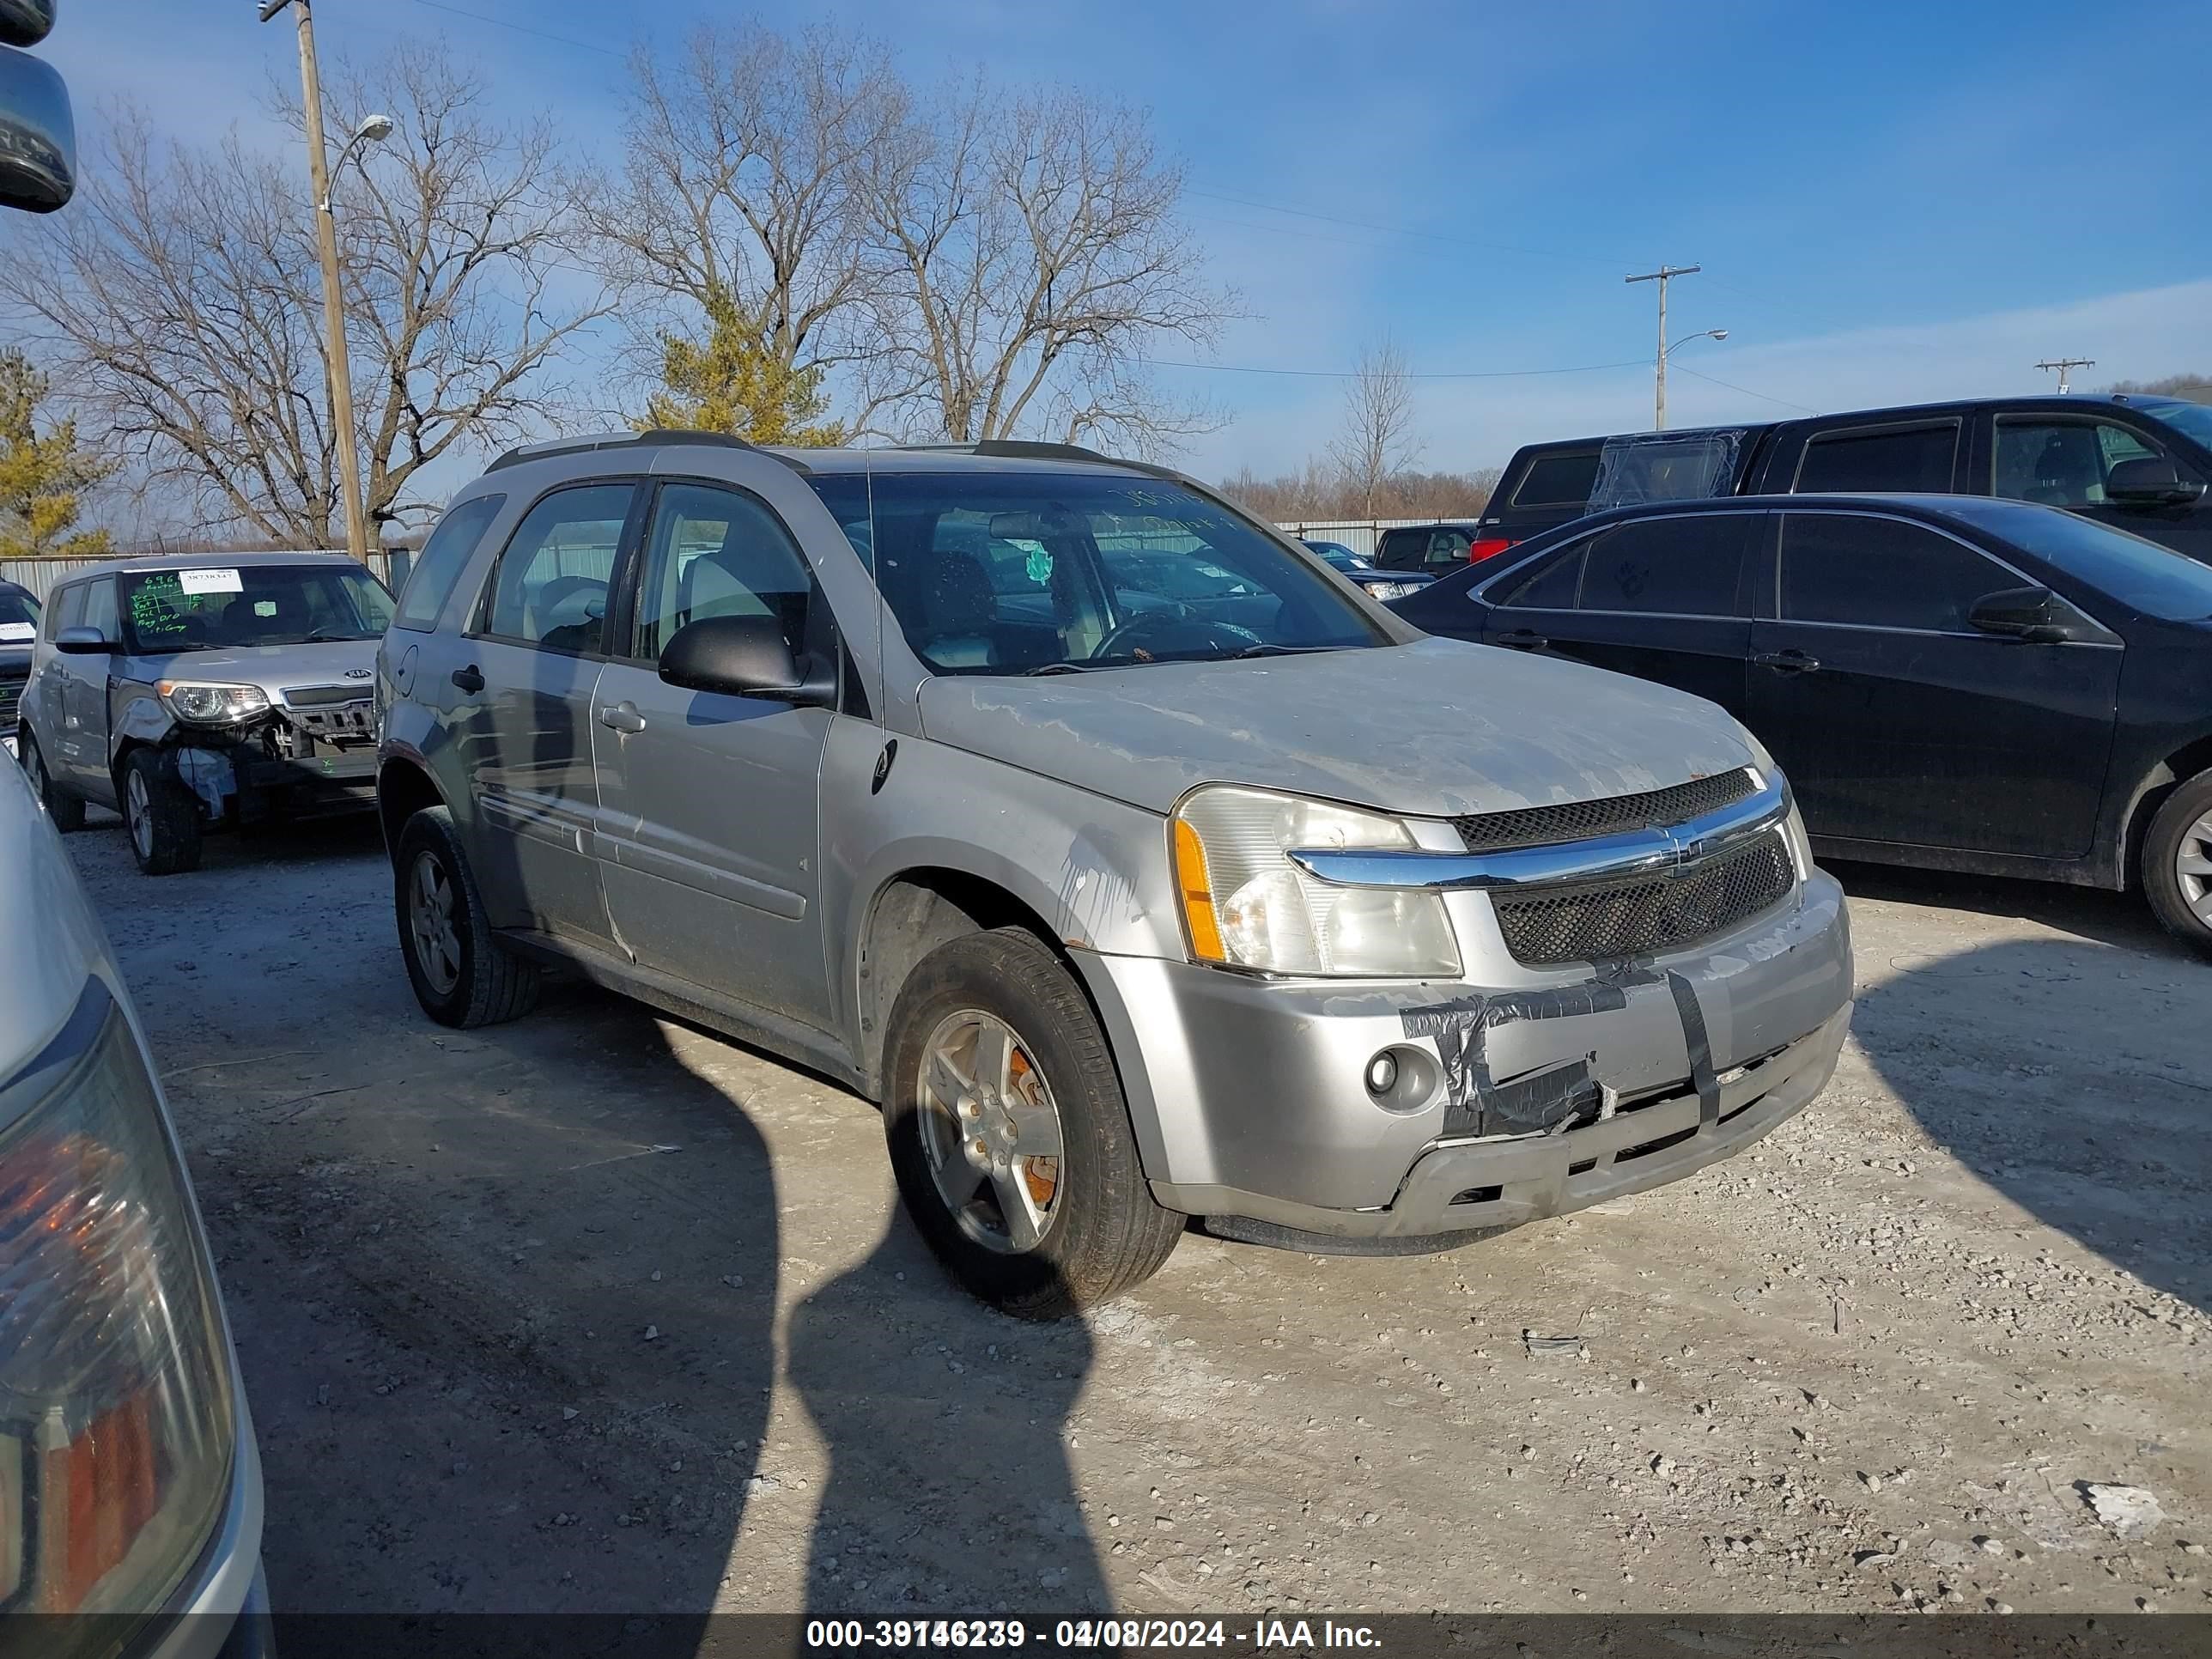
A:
{"x":67,"y":811}
{"x":162,"y":815}
{"x":2177,"y":863}
{"x":1009,"y":1133}
{"x":462,"y":975}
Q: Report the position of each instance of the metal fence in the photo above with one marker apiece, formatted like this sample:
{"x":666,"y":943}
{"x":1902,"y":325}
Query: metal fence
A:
{"x":42,"y":576}
{"x":1360,"y":534}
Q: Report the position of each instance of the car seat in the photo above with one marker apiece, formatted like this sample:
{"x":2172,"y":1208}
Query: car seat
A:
{"x":747,"y":575}
{"x":563,"y":616}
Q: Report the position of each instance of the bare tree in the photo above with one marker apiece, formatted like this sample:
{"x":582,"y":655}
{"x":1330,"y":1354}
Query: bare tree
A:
{"x":1376,"y":443}
{"x":736,"y":196}
{"x":184,"y":300}
{"x":1032,"y":259}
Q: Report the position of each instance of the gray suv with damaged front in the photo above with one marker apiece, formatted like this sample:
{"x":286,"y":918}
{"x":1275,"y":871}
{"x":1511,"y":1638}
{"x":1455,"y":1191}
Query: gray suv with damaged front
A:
{"x":204,"y":692}
{"x":1139,"y":867}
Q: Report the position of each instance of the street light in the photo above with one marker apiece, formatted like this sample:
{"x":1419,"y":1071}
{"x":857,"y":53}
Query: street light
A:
{"x":1666,"y":351}
{"x":375,"y":128}
{"x":374,"y":131}
{"x":1709,"y":334}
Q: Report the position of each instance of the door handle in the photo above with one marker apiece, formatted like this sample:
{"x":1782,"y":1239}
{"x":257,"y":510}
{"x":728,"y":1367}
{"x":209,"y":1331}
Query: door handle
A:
{"x":1522,"y":639}
{"x":621,"y":717}
{"x":1792,"y":661}
{"x":468,"y":679}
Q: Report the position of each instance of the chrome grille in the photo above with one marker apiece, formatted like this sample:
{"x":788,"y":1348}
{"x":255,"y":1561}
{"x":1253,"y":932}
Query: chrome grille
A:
{"x":1585,"y":820}
{"x":1649,"y":914}
{"x":11,"y":698}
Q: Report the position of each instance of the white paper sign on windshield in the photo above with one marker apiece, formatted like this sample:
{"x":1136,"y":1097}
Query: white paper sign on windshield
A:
{"x":210,"y":581}
{"x":17,"y":633}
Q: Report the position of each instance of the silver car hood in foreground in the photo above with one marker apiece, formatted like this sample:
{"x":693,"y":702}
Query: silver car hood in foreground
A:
{"x":273,"y":668}
{"x":1430,"y":730}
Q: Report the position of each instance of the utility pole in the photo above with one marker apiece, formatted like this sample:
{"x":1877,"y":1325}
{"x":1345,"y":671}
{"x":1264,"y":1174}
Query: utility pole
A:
{"x":1659,"y":364}
{"x":2062,"y":364}
{"x":326,"y":235}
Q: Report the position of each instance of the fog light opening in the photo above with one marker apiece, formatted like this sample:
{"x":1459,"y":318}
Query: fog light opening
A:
{"x":1382,"y":1073}
{"x":1403,"y":1079}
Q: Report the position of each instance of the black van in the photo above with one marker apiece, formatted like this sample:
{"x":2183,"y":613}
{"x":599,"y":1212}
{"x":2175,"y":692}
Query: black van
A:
{"x":2137,"y":461}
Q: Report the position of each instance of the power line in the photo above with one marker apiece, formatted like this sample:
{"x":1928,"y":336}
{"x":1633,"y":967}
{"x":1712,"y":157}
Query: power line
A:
{"x":521,"y":29}
{"x":1746,"y":390}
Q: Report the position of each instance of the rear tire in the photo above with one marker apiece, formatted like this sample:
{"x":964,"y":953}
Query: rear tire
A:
{"x":67,"y":811}
{"x":462,"y":975}
{"x":162,"y":816}
{"x":1097,"y":1232}
{"x":2177,"y":863}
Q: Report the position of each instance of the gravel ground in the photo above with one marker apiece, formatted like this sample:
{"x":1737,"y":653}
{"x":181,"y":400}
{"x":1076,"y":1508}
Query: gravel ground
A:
{"x":596,"y":1311}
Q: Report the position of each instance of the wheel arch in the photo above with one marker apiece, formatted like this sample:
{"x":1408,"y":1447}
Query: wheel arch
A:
{"x":2176,"y":768}
{"x":402,"y":789}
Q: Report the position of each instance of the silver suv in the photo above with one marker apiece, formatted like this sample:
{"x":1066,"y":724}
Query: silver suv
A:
{"x":1136,"y":864}
{"x":205,"y":692}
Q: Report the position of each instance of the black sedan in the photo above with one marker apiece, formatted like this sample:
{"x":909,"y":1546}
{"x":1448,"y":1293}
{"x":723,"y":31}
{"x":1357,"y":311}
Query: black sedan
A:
{"x":1379,"y":583}
{"x":1951,"y":680}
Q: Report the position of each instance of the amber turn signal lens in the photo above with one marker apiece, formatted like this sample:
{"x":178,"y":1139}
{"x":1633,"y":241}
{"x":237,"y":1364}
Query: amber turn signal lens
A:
{"x":1197,"y":890}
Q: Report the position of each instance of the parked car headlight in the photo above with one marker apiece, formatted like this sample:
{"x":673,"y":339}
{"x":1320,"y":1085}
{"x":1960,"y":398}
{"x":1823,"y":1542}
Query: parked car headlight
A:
{"x":205,"y":703}
{"x":116,"y":1416}
{"x":1247,"y":905}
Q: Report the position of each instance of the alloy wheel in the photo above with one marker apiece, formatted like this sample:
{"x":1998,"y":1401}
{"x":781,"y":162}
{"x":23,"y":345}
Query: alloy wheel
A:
{"x":990,"y":1132}
{"x":138,"y":809}
{"x":2192,"y":868}
{"x":430,"y":922}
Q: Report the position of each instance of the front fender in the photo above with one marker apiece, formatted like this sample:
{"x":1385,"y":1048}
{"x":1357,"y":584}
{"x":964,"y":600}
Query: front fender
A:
{"x":136,"y":718}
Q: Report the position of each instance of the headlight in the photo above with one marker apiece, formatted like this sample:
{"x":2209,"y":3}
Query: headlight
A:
{"x":1246,"y":905}
{"x":1393,"y":590}
{"x":116,"y":1422}
{"x":206,"y":704}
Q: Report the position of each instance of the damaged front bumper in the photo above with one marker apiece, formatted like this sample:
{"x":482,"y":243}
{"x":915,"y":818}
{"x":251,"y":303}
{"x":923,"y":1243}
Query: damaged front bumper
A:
{"x":1513,"y":1101}
{"x":247,"y":781}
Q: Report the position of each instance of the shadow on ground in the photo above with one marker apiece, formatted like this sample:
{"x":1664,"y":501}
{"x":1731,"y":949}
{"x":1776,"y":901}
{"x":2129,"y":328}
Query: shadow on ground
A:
{"x":2088,"y":913}
{"x":2102,"y":1138}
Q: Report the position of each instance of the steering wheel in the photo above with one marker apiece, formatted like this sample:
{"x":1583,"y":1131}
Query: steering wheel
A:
{"x":1176,"y":631}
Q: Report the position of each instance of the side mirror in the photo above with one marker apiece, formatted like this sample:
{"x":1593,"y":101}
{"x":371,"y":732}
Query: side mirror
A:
{"x":37,"y":137}
{"x":742,"y":657}
{"x":2149,"y":481}
{"x":82,"y":643}
{"x":2034,"y":615}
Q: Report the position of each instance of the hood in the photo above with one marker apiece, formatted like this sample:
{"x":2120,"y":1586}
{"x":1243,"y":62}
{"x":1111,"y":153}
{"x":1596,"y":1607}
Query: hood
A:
{"x":1432,"y":729}
{"x":273,"y":668}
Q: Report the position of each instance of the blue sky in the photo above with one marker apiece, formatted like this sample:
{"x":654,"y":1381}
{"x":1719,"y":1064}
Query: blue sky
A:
{"x":1890,"y":202}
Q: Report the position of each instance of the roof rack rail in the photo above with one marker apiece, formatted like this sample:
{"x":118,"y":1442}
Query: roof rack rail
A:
{"x":1026,"y":449}
{"x":651,"y":435}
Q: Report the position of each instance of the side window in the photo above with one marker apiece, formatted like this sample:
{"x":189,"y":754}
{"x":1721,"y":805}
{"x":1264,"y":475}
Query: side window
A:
{"x":1917,"y":458}
{"x":1684,"y":566}
{"x":720,"y":553}
{"x":99,"y":609}
{"x":1881,"y":573}
{"x":2060,"y":462}
{"x":1447,"y":548}
{"x":1559,"y":481}
{"x":1401,"y":549}
{"x":550,"y":588}
{"x":443,"y":557}
{"x":1552,"y":588}
{"x":67,"y":611}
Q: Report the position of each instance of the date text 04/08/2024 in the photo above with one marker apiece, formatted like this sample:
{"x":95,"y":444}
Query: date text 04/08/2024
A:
{"x":1272,"y":1635}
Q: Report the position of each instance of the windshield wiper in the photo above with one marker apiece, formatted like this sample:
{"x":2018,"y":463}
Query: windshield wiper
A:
{"x":1264,"y":650}
{"x":1057,"y":668}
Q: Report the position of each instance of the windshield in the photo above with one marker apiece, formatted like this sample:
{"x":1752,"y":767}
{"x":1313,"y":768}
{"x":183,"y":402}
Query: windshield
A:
{"x":1015,"y":573}
{"x":2150,"y":580}
{"x":209,"y":608}
{"x":18,"y":617}
{"x":2194,"y":419}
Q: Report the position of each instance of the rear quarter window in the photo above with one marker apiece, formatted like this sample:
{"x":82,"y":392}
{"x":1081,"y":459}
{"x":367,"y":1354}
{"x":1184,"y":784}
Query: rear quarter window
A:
{"x":438,"y":567}
{"x":1563,"y":480}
